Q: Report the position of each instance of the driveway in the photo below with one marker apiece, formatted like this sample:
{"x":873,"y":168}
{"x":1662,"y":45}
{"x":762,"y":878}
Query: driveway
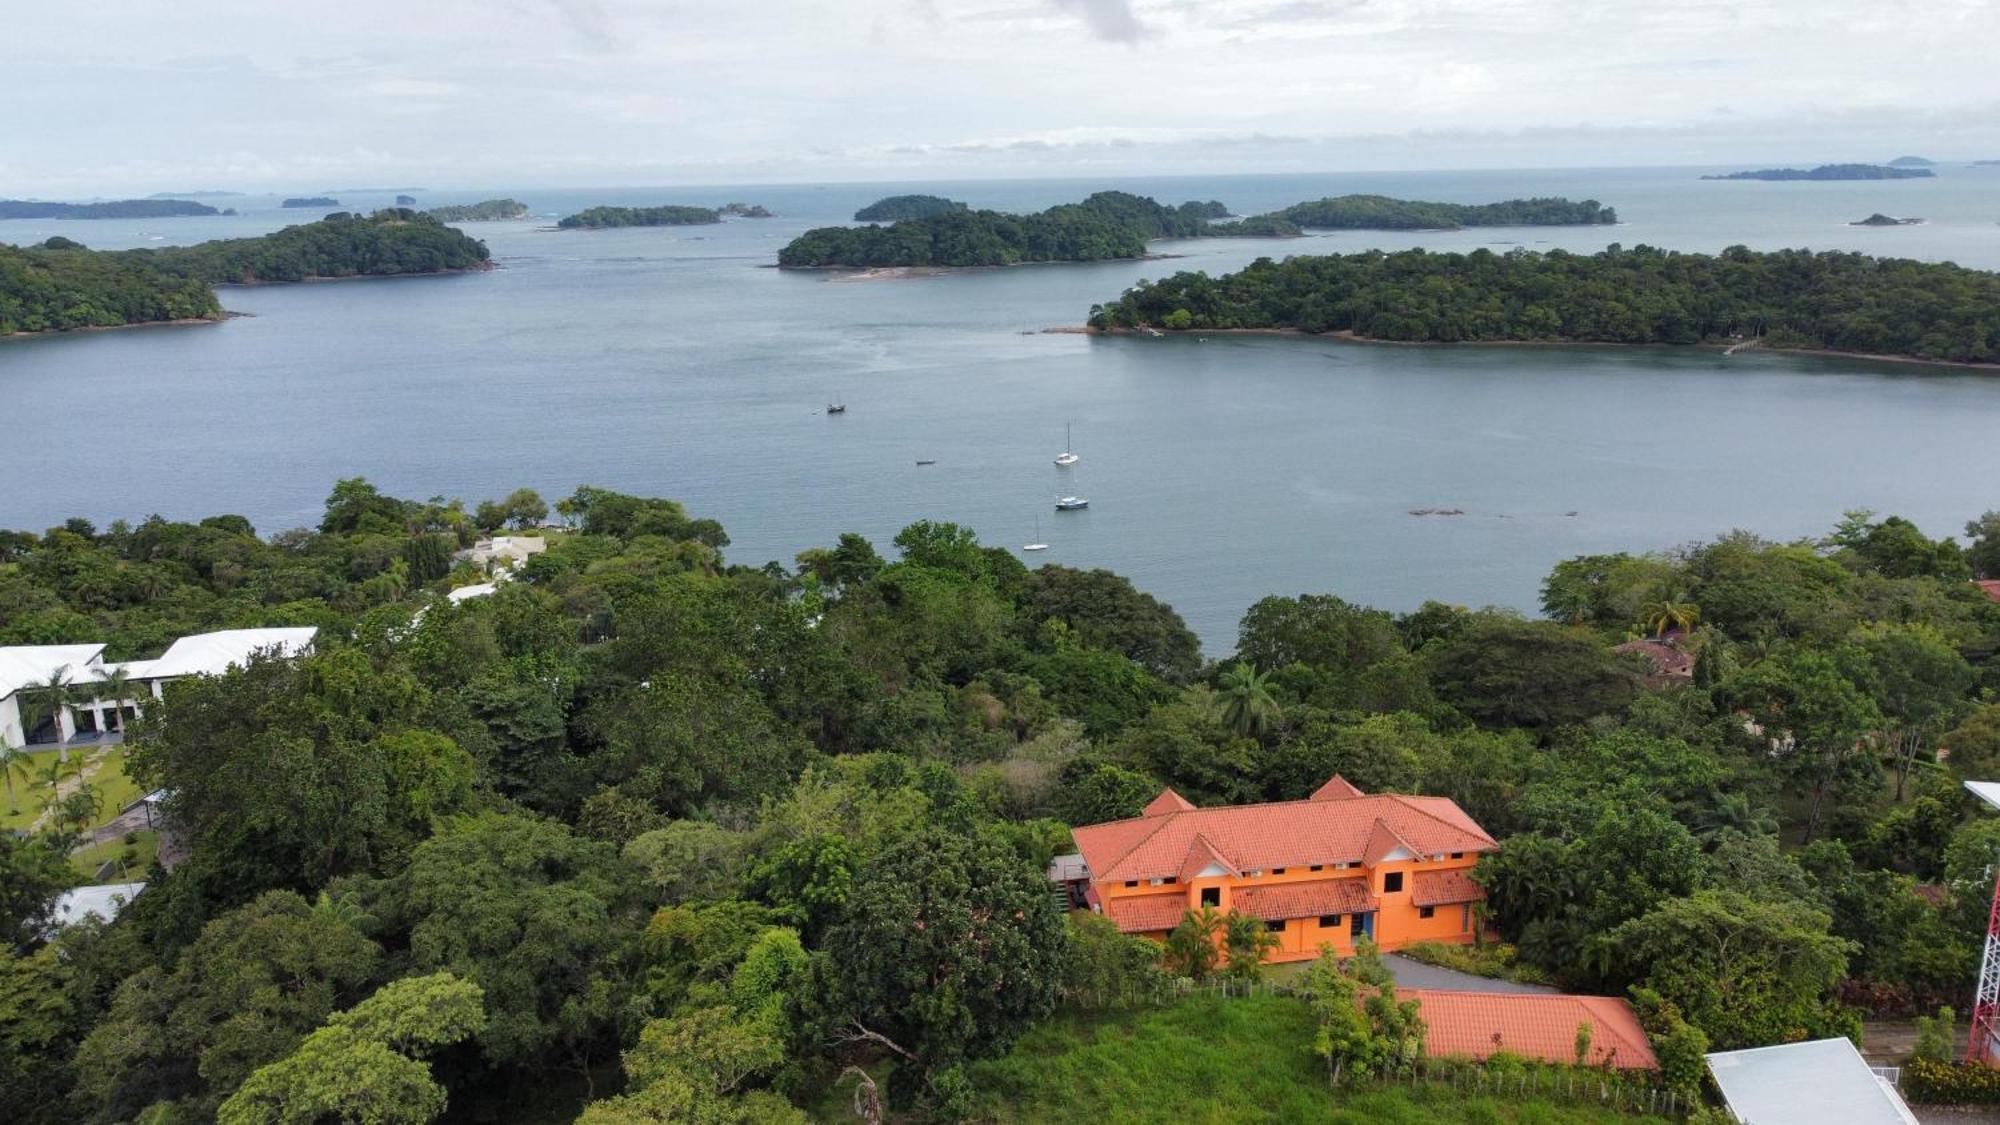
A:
{"x":1415,"y":974}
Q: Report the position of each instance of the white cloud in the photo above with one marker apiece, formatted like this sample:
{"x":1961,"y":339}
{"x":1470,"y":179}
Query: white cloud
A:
{"x":128,"y":95}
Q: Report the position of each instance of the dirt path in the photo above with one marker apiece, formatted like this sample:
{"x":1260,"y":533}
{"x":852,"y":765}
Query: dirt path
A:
{"x":86,"y":771}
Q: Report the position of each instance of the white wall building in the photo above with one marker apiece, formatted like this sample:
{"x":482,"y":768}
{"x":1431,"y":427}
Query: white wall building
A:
{"x":22,"y":667}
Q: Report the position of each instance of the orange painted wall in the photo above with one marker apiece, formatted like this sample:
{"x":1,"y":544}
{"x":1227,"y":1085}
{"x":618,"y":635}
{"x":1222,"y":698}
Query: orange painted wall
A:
{"x":1398,"y":921}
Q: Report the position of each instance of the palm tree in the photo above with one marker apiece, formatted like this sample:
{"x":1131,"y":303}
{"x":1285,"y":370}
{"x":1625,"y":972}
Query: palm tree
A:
{"x":344,"y":910}
{"x":1732,"y":811}
{"x":13,"y":760}
{"x":1247,"y":706}
{"x":1660,"y":616}
{"x":51,"y":699}
{"x":120,"y":688}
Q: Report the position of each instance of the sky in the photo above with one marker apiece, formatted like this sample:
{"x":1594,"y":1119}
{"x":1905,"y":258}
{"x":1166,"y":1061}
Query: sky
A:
{"x":117,"y":97}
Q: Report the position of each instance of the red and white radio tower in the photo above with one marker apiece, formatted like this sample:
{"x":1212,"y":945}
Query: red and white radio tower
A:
{"x":1980,"y":1043}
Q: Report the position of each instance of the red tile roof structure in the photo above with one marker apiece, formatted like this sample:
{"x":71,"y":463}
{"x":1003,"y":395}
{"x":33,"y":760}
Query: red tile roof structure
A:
{"x":1304,"y":900}
{"x":1146,"y":914}
{"x":1327,"y":830}
{"x":1990,"y":585}
{"x":1531,"y":1025}
{"x":1443,"y":888}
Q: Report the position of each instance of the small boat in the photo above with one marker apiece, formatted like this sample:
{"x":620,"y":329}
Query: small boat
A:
{"x":1072,"y":503}
{"x":926,"y":460}
{"x":1066,"y":457}
{"x":836,"y":408}
{"x":1037,"y":545}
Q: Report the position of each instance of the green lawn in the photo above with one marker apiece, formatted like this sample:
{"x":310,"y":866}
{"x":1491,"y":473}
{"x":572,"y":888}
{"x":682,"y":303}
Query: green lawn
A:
{"x":145,"y":848}
{"x":108,"y":774}
{"x":1211,"y":1059}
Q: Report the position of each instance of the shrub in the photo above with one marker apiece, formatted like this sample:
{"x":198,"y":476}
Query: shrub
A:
{"x":1946,"y":1083}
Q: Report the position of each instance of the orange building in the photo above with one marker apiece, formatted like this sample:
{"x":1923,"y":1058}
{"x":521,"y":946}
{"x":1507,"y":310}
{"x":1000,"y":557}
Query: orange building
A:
{"x":1330,"y":869}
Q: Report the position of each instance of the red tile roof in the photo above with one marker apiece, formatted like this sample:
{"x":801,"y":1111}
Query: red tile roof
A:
{"x":1280,"y":834}
{"x":1440,"y":888}
{"x":1670,"y":661}
{"x":1167,"y":802}
{"x":1990,"y":585}
{"x":1201,"y":855}
{"x":1145,"y":914}
{"x":1336,"y":788}
{"x":1531,"y":1025}
{"x":1303,"y":900}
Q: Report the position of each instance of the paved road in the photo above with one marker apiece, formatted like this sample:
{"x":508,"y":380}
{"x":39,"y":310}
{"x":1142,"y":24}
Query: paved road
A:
{"x":1414,"y":974}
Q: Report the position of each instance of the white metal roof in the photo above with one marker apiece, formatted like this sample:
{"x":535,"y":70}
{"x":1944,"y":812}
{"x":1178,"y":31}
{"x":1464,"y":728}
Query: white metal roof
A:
{"x":1988,"y":791}
{"x":466,"y":593}
{"x":24,"y":665}
{"x":211,"y":654}
{"x":103,"y":901}
{"x":1819,"y":1082}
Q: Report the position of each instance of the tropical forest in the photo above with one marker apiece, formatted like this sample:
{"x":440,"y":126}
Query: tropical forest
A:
{"x":643,"y":834}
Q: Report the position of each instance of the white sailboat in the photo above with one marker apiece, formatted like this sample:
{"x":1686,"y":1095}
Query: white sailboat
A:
{"x":1066,"y":457}
{"x":1037,"y":545}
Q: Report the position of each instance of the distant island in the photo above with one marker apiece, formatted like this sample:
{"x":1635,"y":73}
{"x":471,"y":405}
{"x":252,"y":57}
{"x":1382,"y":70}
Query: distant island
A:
{"x":62,"y":285}
{"x":1831,"y":172}
{"x":111,"y":209}
{"x":1116,"y":224}
{"x":1839,"y":302}
{"x":406,"y":201}
{"x":1878,"y":219}
{"x":1379,"y":212}
{"x":311,"y":201}
{"x":1107,"y":225}
{"x":1912,"y":162}
{"x":746,"y":210}
{"x":484,"y":211}
{"x":666,"y":216}
{"x":895,"y":208}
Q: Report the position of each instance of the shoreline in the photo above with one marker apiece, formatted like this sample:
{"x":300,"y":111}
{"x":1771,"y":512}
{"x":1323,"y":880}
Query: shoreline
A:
{"x":1349,"y":337}
{"x":886,"y":273}
{"x":182,"y":322}
{"x":483,"y":268}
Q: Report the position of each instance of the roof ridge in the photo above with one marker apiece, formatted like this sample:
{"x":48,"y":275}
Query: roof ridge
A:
{"x":1405,"y":799}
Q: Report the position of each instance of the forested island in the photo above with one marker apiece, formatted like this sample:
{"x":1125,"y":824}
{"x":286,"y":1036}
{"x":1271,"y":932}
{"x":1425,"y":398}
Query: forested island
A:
{"x":895,"y":208}
{"x":1912,"y":162}
{"x":1116,"y":224}
{"x":1108,"y":224}
{"x":311,"y":201}
{"x":644,"y":834}
{"x":1878,"y":219}
{"x":746,"y":210}
{"x":62,"y":285}
{"x":109,"y":209}
{"x":1380,"y":212}
{"x":484,"y":211}
{"x":666,"y":216}
{"x":406,"y":201}
{"x":1831,"y":172}
{"x":1788,"y":298}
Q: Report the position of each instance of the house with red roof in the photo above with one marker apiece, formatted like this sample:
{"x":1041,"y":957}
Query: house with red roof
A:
{"x":1530,"y":1025}
{"x":1331,"y":869}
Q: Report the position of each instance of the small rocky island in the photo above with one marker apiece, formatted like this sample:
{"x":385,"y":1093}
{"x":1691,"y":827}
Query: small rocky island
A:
{"x":484,"y":211}
{"x":311,"y":201}
{"x":747,"y":210}
{"x":1878,"y":219}
{"x":406,"y":201}
{"x":1831,"y":172}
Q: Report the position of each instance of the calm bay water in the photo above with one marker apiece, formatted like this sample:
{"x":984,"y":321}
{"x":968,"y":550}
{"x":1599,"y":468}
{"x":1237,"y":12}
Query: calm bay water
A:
{"x":673,"y":362}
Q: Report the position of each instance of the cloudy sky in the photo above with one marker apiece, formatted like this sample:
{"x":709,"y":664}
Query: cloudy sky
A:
{"x":133,"y":96}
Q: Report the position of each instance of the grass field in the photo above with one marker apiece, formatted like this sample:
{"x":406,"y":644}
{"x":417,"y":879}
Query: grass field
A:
{"x":1216,"y":1060}
{"x":104,"y":768}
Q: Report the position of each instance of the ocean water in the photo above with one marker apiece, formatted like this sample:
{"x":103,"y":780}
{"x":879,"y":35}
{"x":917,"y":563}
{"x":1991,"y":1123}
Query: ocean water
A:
{"x":676,"y":362}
